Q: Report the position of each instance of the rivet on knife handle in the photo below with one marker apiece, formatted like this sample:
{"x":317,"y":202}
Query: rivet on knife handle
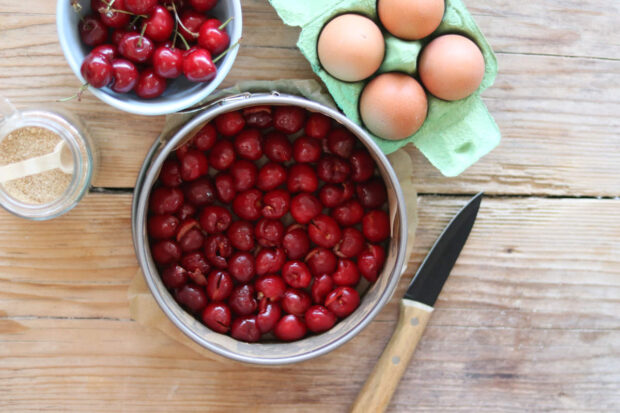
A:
{"x":383,"y":381}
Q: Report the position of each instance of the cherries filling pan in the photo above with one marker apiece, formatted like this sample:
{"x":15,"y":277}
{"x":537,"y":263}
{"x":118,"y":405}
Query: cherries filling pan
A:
{"x":269,"y":223}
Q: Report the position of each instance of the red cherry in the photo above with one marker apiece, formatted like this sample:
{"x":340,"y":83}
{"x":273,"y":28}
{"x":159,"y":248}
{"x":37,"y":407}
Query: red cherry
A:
{"x":268,"y":315}
{"x":372,"y":194}
{"x":341,"y":142}
{"x":166,"y":200}
{"x":219,"y":285}
{"x":241,"y":266}
{"x":168,"y":62}
{"x":150,"y":85}
{"x":97,"y":70}
{"x":306,"y":149}
{"x":321,"y":261}
{"x":117,"y":35}
{"x":242,"y":301}
{"x":136,"y":47}
{"x":191,"y":240}
{"x":296,"y":302}
{"x":289,"y":119}
{"x":258,"y":116}
{"x":296,"y":274}
{"x":215,"y":219}
{"x":230,"y":123}
{"x":174,"y":276}
{"x":342,"y":301}
{"x":196,"y":262}
{"x":92,"y":31}
{"x":212,"y":38}
{"x":333,"y":169}
{"x":269,"y":232}
{"x":270,"y":176}
{"x":187,"y":225}
{"x":194,"y":165}
{"x":205,"y":138}
{"x":319,"y":319}
{"x":198,"y":66}
{"x":162,"y":226}
{"x":290,"y":328}
{"x":247,"y":205}
{"x":241,"y":235}
{"x":324,"y":231}
{"x":295,"y":242}
{"x":376,"y":226}
{"x":349,"y":213}
{"x":217,"y":317}
{"x":321,"y":286}
{"x":108,"y":50}
{"x":351,"y":244}
{"x":192,"y":297}
{"x":225,"y":187}
{"x":114,"y":19}
{"x":218,"y":249}
{"x":245,"y":329}
{"x":140,"y":6}
{"x":244,"y":174}
{"x":269,"y":260}
{"x":125,"y":76}
{"x":96,"y":5}
{"x":192,"y":20}
{"x":370,"y":262}
{"x":346,"y":273}
{"x":185,"y":212}
{"x":200,"y":192}
{"x":271,"y":287}
{"x":276,"y":204}
{"x":331,"y":195}
{"x":170,"y":174}
{"x":166,"y":252}
{"x":277,"y":147}
{"x":302,"y":178}
{"x":248,"y":144}
{"x":318,"y":125}
{"x":362,"y":165}
{"x":304,"y":207}
{"x":159,"y":24}
{"x":222,"y":155}
{"x":203,"y":5}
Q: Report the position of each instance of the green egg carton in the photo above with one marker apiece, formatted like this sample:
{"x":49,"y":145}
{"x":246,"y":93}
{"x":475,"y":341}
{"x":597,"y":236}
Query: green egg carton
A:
{"x":455,"y":134}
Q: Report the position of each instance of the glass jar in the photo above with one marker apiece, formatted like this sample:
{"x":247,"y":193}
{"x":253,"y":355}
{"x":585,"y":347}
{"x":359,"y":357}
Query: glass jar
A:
{"x":68,"y":128}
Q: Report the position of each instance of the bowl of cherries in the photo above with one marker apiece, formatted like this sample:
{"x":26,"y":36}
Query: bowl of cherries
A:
{"x":150,"y":57}
{"x":270,"y":228}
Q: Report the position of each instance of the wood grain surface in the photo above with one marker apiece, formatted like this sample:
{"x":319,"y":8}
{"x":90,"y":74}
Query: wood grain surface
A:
{"x":529,"y":319}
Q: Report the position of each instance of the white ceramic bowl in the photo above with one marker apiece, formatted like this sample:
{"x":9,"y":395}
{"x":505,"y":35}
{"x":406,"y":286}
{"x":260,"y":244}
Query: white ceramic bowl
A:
{"x":180,"y":93}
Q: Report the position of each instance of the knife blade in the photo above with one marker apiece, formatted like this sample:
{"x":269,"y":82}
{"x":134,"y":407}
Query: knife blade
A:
{"x":415,"y":311}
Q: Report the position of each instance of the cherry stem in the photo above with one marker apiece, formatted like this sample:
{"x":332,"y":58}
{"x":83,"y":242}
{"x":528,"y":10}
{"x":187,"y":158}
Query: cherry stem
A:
{"x":180,"y":23}
{"x":134,"y":21}
{"x":226,"y":51}
{"x":226,"y":23}
{"x":142,"y":34}
{"x":76,"y":6}
{"x":184,"y":41}
{"x":108,"y":4}
{"x":78,"y":95}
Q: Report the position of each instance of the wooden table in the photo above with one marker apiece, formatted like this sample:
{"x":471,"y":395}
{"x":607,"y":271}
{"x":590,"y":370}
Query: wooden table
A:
{"x":529,"y":319}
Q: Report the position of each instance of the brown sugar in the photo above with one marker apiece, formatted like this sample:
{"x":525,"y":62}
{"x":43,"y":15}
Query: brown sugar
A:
{"x":25,"y":143}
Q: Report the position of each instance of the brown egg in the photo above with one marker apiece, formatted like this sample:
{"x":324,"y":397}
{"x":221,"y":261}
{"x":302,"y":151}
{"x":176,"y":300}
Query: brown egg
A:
{"x":451,"y":67}
{"x":393,"y":106}
{"x":411,"y":19}
{"x":351,"y":47}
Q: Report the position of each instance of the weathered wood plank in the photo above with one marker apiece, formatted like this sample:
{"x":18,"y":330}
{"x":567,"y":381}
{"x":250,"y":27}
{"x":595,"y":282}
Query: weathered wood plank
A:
{"x":527,"y":321}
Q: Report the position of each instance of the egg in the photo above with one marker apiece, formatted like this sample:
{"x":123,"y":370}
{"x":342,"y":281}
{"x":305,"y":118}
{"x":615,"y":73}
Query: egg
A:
{"x":451,"y":67}
{"x":411,"y":19}
{"x":393,"y":106}
{"x":351,"y":47}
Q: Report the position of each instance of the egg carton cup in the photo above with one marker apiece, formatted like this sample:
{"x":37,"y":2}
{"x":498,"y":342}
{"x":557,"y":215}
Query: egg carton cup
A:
{"x":455,"y":134}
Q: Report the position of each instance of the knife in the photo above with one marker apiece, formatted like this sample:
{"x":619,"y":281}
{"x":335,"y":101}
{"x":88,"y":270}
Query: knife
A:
{"x":415,"y":310}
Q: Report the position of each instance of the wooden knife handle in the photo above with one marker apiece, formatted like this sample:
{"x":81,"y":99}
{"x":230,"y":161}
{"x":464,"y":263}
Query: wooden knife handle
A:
{"x":380,"y":386}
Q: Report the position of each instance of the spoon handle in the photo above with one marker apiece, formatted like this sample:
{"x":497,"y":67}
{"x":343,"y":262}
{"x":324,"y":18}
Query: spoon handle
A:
{"x":29,"y":167}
